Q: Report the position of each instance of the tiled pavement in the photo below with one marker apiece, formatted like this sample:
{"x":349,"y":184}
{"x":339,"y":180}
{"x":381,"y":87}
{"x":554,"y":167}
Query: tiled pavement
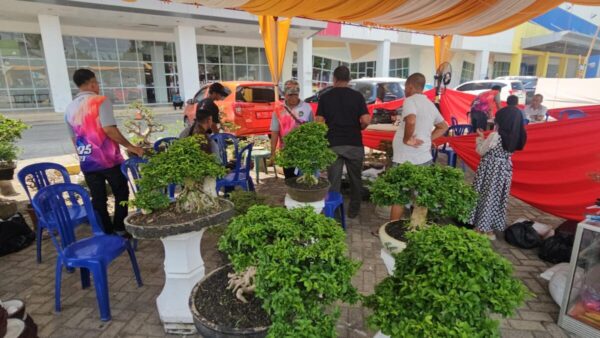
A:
{"x":134,"y":310}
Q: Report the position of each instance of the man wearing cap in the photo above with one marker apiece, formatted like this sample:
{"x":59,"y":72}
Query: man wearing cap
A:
{"x":291,"y":114}
{"x":216,"y":92}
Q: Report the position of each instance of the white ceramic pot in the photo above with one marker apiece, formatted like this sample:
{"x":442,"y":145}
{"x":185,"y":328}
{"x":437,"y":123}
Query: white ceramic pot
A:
{"x":388,"y":242}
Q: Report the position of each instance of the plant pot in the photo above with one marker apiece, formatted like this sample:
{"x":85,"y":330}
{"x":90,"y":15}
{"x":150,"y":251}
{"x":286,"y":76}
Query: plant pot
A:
{"x":389,"y":243}
{"x":307,"y":194}
{"x":7,"y":171}
{"x":208,"y":329}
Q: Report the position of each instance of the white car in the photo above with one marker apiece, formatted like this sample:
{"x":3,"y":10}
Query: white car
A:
{"x":509,"y":87}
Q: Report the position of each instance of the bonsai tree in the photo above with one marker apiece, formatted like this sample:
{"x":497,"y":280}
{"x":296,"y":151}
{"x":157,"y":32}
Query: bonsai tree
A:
{"x":143,"y":125}
{"x":438,"y":190}
{"x":307,"y":149}
{"x":446,"y":283}
{"x":183,"y":164}
{"x":10,"y":132}
{"x":296,"y":262}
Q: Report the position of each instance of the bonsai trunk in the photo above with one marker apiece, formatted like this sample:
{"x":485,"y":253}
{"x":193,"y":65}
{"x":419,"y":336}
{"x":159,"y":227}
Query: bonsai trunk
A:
{"x":308,"y":179}
{"x":418,"y":217}
{"x":198,"y":197}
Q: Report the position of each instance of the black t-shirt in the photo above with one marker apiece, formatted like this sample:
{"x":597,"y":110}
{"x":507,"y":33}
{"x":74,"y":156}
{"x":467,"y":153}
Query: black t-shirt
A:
{"x":210,"y":105}
{"x":342,"y":108}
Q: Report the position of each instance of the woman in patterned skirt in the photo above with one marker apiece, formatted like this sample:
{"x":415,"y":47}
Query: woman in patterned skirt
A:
{"x":494,"y":174}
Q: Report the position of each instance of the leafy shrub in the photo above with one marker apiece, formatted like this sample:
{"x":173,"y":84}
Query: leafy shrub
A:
{"x":243,"y":200}
{"x":184,"y":164}
{"x":307,"y":149}
{"x":142,"y":126}
{"x":302,"y":267}
{"x":446,"y":283}
{"x":440,"y":189}
{"x":10,"y":132}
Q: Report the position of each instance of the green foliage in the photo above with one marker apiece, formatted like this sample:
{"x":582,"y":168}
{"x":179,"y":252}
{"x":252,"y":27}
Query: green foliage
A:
{"x":10,"y":132}
{"x":441,"y":189}
{"x":243,"y":200}
{"x":307,"y":149}
{"x":302,"y":267}
{"x":446,"y":283}
{"x":142,"y":126}
{"x":183,"y":164}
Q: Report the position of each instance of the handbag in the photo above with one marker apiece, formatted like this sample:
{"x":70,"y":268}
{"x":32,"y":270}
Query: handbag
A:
{"x":523,"y":235}
{"x":15,"y":234}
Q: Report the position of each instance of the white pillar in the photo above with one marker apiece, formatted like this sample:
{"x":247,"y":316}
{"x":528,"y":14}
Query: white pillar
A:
{"x":304,"y":62}
{"x":187,"y":61}
{"x":482,"y":60}
{"x":56,"y":63}
{"x":157,"y":54}
{"x":383,"y":58}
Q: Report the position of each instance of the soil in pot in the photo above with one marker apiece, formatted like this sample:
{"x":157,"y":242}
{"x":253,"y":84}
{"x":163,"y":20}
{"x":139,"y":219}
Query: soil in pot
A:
{"x":220,"y":306}
{"x":292,"y":183}
{"x":397,"y":229}
{"x":171,"y":216}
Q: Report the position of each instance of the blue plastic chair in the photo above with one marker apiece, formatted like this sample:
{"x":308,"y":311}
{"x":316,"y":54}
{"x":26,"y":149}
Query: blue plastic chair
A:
{"x":241,"y":174}
{"x":333,"y":201}
{"x":222,"y":139}
{"x":39,"y":176}
{"x":131,"y":169}
{"x":163,"y":143}
{"x":571,"y":114}
{"x":92,"y":254}
{"x":457,"y":130}
{"x":525,"y":122}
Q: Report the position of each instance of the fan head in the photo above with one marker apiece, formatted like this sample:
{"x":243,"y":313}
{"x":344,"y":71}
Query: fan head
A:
{"x":443,"y":74}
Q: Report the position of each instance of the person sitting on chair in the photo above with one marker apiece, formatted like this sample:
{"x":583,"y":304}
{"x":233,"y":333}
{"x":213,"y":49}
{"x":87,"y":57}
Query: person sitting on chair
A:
{"x":201,"y":126}
{"x":535,"y":111}
{"x":177,"y":101}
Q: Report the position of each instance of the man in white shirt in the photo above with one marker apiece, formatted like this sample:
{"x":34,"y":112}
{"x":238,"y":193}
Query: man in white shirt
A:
{"x":420,"y":123}
{"x":536,"y":112}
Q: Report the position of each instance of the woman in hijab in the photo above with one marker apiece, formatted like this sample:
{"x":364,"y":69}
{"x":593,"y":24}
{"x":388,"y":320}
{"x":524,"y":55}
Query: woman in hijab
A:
{"x":494,"y":174}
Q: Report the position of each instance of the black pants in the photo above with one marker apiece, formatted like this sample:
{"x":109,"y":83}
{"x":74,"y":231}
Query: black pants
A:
{"x":177,"y":105}
{"x":479,"y":120}
{"x":352,"y":157}
{"x":96,"y":182}
{"x":289,"y":172}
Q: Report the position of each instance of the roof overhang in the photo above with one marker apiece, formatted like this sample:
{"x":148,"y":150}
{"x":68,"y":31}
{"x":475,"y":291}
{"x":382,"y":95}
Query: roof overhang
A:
{"x":565,"y":42}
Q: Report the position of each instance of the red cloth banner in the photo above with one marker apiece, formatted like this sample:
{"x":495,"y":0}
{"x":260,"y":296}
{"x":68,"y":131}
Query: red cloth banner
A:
{"x":553,"y":172}
{"x":588,"y":110}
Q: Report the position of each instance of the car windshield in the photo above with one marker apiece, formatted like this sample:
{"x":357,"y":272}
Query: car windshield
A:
{"x":255,"y":94}
{"x":386,"y":92}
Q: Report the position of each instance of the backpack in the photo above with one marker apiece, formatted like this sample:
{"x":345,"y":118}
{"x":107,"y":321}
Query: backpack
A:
{"x":523,"y":235}
{"x":557,"y":249}
{"x":15,"y":234}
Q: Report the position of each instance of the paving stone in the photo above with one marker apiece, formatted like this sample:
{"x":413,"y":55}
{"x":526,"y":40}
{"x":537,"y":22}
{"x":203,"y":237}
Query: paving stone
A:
{"x":510,"y":333}
{"x":534,"y":315}
{"x":528,"y":325}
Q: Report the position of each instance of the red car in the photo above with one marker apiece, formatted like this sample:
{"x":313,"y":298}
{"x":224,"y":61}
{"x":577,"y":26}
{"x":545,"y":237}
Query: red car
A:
{"x":249,"y":105}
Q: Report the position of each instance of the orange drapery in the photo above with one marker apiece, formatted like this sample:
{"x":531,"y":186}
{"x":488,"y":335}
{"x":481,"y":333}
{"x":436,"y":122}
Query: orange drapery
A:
{"x":441,"y":49}
{"x":274,"y":32}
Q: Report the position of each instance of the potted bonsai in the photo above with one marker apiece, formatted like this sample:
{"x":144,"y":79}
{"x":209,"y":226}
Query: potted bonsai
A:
{"x":142,"y":126}
{"x":307,"y":149}
{"x":292,"y":262}
{"x":10,"y":132}
{"x":181,"y":223}
{"x":434,"y":191}
{"x":447,"y":283}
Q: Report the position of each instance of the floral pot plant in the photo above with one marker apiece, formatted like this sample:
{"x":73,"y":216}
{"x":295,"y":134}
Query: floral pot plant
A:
{"x":307,"y":149}
{"x":142,"y":127}
{"x":433,"y":191}
{"x":447,"y":283}
{"x":10,"y":131}
{"x":292,"y":263}
{"x":185,"y":164}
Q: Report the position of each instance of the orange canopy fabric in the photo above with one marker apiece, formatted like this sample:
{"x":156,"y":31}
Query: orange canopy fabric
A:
{"x":275,"y":36}
{"x":439,"y":17}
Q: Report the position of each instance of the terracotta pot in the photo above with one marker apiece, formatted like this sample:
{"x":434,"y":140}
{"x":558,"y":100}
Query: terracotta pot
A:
{"x":208,"y":329}
{"x":306,"y":194}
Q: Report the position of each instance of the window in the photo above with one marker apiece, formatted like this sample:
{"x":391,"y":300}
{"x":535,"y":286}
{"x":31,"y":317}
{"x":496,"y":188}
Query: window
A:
{"x":466,"y":87}
{"x":23,"y":75}
{"x":255,"y":94}
{"x":228,"y":63}
{"x":399,"y":68}
{"x":363,"y":69}
{"x":516,"y":85}
{"x":501,"y":69}
{"x":468,"y":71}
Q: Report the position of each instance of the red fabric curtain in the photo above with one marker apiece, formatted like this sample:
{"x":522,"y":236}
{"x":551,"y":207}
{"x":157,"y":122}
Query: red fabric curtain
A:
{"x":553,"y":172}
{"x":588,"y":110}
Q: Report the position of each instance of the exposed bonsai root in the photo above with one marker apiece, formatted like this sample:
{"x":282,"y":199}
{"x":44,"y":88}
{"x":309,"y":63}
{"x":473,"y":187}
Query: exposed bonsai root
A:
{"x":307,"y":179}
{"x":192,"y":200}
{"x":242,"y":283}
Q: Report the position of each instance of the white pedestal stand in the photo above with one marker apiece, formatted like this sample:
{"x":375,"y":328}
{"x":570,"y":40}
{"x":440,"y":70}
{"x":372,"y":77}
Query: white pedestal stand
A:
{"x":388,"y":260}
{"x":184,"y":268}
{"x":380,"y":335}
{"x":291,"y":204}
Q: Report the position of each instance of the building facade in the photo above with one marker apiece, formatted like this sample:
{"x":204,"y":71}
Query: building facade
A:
{"x":149,"y":50}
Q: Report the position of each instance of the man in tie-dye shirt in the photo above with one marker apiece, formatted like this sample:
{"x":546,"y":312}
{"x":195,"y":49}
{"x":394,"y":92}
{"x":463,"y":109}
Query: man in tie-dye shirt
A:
{"x":91,"y":122}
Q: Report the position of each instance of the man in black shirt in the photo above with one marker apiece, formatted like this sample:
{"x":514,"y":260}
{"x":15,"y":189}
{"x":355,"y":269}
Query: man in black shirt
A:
{"x":217,"y":92}
{"x":345,"y":112}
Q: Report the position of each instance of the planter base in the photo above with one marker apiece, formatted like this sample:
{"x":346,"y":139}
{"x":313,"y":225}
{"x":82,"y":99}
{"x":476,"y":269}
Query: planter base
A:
{"x":388,"y":260}
{"x":380,"y":335}
{"x":184,"y":268}
{"x":291,"y":204}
